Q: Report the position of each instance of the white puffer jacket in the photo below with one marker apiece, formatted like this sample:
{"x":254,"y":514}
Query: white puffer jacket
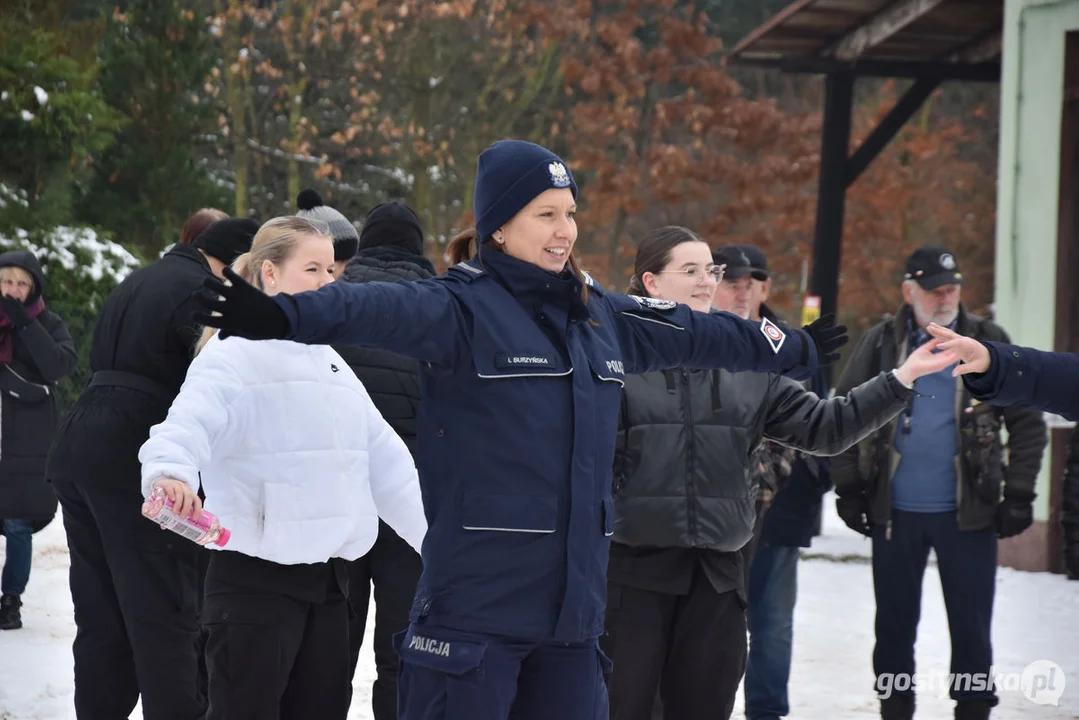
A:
{"x":294,"y":458}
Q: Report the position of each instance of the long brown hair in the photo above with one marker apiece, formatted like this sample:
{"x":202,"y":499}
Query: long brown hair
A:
{"x":198,"y":222}
{"x":654,"y":252}
{"x":460,"y":249}
{"x":275,"y":241}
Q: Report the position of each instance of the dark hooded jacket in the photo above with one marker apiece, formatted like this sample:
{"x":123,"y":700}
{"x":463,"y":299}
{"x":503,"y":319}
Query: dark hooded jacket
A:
{"x":43,"y":353}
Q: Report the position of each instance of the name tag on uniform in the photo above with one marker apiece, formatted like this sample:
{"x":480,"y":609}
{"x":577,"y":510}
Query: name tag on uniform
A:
{"x":523,"y":360}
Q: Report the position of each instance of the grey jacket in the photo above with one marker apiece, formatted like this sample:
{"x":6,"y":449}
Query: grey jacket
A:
{"x":682,"y":466}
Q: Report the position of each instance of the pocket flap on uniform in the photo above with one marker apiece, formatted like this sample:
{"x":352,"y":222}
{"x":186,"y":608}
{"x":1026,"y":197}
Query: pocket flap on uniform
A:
{"x":433,"y":649}
{"x":613,"y":371}
{"x":510,"y":513}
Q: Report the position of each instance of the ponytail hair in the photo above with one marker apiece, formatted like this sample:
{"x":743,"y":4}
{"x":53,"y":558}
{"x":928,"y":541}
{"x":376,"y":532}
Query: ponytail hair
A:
{"x":274,"y":242}
{"x":460,"y":247}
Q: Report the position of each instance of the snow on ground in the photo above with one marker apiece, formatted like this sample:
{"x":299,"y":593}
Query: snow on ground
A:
{"x":1036,"y":618}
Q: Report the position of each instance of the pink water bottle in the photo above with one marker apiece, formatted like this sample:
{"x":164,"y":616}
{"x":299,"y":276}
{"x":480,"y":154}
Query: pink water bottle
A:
{"x":203,"y":531}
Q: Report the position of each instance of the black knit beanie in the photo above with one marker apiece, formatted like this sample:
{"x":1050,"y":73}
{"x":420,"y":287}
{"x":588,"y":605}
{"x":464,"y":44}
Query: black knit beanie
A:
{"x":227,"y":239}
{"x":395,"y":224}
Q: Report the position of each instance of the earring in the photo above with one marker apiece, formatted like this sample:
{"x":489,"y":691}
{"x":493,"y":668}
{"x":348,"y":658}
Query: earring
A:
{"x":273,"y":283}
{"x":499,"y":238}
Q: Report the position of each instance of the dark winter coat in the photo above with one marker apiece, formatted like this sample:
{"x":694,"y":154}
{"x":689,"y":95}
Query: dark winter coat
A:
{"x":682,"y":469}
{"x":1025,"y":377}
{"x":791,"y":518}
{"x":870,"y":466}
{"x":143,"y":344}
{"x":391,"y":380}
{"x":43,"y":354}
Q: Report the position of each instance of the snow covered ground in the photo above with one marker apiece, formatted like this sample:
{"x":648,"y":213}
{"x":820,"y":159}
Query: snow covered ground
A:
{"x":1036,"y":619}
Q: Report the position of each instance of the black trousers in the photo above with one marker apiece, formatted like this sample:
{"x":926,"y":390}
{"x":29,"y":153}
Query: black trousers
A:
{"x":967,"y":564}
{"x":134,"y":588}
{"x":276,"y":639}
{"x":394,"y":568}
{"x":691,"y":647}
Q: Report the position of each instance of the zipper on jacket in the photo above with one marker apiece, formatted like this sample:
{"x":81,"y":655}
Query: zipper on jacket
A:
{"x":29,"y":382}
{"x":691,"y":460}
{"x":888,"y":530}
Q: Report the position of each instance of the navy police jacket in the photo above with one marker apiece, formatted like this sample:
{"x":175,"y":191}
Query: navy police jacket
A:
{"x":1026,"y":377}
{"x":521,"y":382}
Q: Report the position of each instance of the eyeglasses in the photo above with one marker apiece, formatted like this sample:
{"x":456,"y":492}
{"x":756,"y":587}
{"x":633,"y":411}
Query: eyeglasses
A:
{"x":694,"y":272}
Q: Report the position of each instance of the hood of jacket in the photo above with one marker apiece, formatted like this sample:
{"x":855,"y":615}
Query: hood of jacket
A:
{"x":29,"y":263}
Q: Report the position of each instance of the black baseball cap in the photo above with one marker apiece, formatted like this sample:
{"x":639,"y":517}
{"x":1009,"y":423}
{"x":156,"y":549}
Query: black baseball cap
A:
{"x":742,"y":260}
{"x":933,"y":266}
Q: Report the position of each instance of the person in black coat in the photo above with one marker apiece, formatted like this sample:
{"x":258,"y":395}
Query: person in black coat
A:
{"x":135,"y":588}
{"x":391,"y":249}
{"x":36,"y":350}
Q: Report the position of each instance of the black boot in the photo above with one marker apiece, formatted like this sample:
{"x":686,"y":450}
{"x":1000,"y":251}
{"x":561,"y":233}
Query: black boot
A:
{"x":973,"y":709}
{"x":10,"y":617}
{"x":897,"y":707}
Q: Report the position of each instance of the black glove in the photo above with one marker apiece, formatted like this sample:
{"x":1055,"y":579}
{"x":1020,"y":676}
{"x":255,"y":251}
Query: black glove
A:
{"x":243,"y":310}
{"x":1071,"y":558}
{"x":828,"y":337}
{"x":1015,"y":513}
{"x":854,"y":510}
{"x":15,"y":311}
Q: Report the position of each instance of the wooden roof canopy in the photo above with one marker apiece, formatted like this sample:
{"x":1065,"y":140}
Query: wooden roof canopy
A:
{"x":930,"y":39}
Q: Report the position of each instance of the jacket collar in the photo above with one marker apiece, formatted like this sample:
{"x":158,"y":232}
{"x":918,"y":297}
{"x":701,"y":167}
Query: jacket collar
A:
{"x":188,"y":252}
{"x":767,"y":313}
{"x":964,"y":324}
{"x":390,"y":256}
{"x":531,"y":284}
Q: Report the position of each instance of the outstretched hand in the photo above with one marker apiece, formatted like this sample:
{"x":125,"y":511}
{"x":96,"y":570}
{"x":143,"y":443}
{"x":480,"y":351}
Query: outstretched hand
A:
{"x":924,"y":361}
{"x":973,"y":355}
{"x":828,"y":337}
{"x":239,"y":308}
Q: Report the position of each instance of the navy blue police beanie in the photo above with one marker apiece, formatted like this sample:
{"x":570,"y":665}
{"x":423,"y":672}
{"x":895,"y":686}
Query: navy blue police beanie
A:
{"x":509,"y":175}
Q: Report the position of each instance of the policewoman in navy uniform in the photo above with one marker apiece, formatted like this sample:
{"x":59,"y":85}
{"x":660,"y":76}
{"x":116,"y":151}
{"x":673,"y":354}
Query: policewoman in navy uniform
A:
{"x":522,"y":360}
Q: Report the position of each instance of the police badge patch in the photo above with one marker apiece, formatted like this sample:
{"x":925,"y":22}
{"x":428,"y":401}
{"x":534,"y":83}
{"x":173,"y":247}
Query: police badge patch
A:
{"x":654,"y":304}
{"x":559,"y":175}
{"x":773,"y":334}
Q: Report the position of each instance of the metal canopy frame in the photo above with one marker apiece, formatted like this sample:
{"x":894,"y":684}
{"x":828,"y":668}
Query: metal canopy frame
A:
{"x":927,"y":41}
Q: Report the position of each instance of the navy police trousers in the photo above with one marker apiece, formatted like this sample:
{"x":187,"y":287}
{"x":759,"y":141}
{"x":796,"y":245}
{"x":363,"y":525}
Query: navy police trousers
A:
{"x":452,"y":675}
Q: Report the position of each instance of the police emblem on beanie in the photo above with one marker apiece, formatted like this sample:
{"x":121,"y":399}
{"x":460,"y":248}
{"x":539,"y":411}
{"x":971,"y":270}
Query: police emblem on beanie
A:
{"x":346,"y":241}
{"x":559,"y":175}
{"x":509,"y":175}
